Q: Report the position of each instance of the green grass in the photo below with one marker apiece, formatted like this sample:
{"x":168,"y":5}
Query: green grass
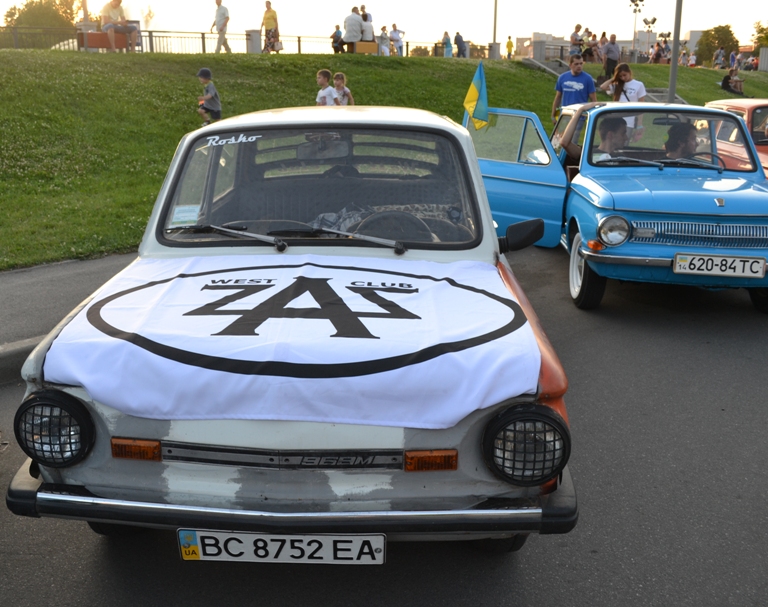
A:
{"x":87,"y":138}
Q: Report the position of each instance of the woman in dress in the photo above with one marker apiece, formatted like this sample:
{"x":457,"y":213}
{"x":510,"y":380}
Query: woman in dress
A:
{"x":271,"y":31}
{"x":447,"y":46}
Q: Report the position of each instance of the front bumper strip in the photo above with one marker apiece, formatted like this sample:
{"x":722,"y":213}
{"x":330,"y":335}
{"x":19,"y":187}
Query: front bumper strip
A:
{"x":555,"y":513}
{"x":651,"y":262}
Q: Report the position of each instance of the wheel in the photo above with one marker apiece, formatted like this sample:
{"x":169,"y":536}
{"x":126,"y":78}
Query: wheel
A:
{"x":587,"y":287}
{"x":711,"y":155}
{"x":759,"y":299}
{"x":112,"y":530}
{"x":502,"y":546}
{"x":395,"y":225}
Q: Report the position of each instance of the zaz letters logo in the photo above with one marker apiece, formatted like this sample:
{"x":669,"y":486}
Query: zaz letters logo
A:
{"x":306,"y":320}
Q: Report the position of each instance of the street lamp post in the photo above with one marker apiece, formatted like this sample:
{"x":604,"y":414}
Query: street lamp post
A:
{"x":636,"y":6}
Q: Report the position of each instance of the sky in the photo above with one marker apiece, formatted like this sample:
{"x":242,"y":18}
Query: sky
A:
{"x":425,"y":21}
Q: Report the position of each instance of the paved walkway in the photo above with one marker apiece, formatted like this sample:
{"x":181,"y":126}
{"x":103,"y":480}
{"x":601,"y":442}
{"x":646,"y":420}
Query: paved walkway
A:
{"x":34,"y":300}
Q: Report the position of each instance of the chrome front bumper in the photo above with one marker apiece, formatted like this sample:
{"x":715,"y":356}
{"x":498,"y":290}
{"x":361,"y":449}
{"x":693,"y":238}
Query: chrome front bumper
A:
{"x":553,"y":513}
{"x":648,"y":262}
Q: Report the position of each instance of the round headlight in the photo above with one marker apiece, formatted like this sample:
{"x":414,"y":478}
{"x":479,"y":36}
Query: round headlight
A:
{"x":54,"y":429}
{"x":527,"y":445}
{"x":613,"y":230}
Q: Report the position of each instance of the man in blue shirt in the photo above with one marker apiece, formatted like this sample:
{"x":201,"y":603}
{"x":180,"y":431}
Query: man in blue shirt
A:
{"x":573,"y":86}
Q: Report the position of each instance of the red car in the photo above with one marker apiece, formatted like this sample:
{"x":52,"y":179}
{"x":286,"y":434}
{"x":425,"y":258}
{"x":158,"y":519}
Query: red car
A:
{"x":755,"y":114}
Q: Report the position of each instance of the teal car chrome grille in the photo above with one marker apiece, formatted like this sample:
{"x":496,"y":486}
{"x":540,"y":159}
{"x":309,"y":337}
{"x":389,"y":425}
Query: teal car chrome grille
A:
{"x":700,"y":234}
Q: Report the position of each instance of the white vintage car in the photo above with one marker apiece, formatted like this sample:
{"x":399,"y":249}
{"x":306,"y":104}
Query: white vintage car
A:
{"x":320,"y":348}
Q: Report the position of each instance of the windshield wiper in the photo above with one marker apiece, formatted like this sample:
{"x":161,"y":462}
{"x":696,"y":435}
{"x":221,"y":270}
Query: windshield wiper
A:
{"x":613,"y":159}
{"x":398,"y":246}
{"x":693,"y":162}
{"x":279,"y":244}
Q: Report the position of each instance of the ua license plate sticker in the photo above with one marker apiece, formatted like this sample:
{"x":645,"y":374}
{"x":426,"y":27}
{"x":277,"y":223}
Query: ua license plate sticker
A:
{"x":197,"y":545}
{"x":719,"y":265}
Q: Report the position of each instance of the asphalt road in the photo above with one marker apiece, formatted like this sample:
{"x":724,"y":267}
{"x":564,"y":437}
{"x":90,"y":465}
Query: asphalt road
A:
{"x":668,"y":413}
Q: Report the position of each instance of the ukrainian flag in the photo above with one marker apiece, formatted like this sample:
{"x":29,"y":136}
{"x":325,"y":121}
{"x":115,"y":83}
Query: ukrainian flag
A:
{"x":476,"y":101}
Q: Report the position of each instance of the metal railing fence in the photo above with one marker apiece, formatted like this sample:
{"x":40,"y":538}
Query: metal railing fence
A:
{"x":157,"y":41}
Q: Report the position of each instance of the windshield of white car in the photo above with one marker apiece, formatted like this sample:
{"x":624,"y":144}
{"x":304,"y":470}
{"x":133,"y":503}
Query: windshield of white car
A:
{"x":680,"y":138}
{"x":339,"y":186}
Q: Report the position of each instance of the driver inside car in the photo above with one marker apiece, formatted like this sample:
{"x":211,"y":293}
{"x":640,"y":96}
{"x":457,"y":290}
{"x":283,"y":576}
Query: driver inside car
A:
{"x":613,"y":136}
{"x":681,"y":140}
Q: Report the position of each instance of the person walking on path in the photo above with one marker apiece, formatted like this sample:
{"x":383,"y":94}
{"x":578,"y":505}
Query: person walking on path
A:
{"x":447,"y":46}
{"x":718,"y":59}
{"x":611,"y":54}
{"x":396,"y":36}
{"x":461,"y":46}
{"x":573,"y":86}
{"x":220,"y":23}
{"x":210,"y":104}
{"x":384,"y":41}
{"x":271,"y":29}
{"x":575,"y":48}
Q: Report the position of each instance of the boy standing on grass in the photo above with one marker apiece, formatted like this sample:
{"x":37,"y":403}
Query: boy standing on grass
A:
{"x":327,"y":95}
{"x":210,"y":104}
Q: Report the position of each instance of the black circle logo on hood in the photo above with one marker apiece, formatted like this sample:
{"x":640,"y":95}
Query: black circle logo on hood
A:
{"x":330,"y":307}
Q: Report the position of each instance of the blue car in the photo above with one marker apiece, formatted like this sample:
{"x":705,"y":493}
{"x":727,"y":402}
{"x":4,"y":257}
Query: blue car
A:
{"x":661,"y":194}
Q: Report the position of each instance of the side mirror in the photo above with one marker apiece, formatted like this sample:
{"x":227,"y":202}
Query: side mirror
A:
{"x":521,"y":235}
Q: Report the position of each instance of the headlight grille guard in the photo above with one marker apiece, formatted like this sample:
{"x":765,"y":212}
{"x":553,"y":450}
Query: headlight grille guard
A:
{"x":54,"y":429}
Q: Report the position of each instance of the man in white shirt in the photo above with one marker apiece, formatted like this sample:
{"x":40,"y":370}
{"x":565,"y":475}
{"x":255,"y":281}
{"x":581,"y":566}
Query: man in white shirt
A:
{"x":396,"y":36}
{"x":113,"y":20}
{"x":353,"y":29}
{"x":220,"y":23}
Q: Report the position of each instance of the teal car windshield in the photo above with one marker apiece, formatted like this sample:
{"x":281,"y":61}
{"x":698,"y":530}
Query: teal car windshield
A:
{"x":679,"y":139}
{"x":404,"y":185}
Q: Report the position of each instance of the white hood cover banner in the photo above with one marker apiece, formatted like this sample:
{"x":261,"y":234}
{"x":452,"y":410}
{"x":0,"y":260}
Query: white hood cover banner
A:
{"x":307,"y":338}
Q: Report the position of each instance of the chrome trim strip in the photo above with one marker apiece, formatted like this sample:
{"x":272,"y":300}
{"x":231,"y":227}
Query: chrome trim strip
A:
{"x":99,"y":508}
{"x":629,"y":261}
{"x":516,"y":180}
{"x":361,"y":459}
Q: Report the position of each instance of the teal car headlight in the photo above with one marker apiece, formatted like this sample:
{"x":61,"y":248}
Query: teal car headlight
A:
{"x":613,"y":231}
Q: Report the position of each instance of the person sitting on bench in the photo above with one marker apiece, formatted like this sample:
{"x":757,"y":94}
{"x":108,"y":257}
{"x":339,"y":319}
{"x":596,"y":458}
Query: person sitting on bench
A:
{"x":113,"y":20}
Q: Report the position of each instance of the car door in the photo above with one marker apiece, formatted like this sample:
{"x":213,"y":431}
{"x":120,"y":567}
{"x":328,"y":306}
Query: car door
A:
{"x":521,"y":172}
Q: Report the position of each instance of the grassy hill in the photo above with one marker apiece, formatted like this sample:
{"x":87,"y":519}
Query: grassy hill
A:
{"x":87,"y":138}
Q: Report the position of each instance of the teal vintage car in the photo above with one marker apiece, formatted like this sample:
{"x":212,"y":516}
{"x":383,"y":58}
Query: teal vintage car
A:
{"x":664,"y":194}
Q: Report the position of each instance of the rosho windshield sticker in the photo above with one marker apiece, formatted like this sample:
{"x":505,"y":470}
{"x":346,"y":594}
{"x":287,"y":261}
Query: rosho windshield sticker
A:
{"x":215,"y":140}
{"x":305,"y":321}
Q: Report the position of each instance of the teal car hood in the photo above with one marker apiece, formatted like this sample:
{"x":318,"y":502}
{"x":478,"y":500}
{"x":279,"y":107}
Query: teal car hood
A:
{"x":672,"y":192}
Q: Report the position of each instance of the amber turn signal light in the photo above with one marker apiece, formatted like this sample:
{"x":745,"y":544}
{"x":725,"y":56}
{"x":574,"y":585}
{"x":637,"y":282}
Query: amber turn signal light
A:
{"x":595,"y":245}
{"x":131,"y":448}
{"x":438,"y":459}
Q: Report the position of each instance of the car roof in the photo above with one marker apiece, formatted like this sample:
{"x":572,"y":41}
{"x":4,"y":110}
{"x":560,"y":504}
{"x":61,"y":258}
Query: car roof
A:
{"x":341,"y":116}
{"x":745,"y":104}
{"x":639,"y":106}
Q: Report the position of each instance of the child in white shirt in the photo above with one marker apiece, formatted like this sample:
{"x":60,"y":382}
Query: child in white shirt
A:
{"x":340,"y":85}
{"x":327,"y":95}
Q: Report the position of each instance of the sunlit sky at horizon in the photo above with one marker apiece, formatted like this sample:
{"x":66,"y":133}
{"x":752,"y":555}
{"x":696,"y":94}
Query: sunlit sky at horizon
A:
{"x":425,"y":21}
